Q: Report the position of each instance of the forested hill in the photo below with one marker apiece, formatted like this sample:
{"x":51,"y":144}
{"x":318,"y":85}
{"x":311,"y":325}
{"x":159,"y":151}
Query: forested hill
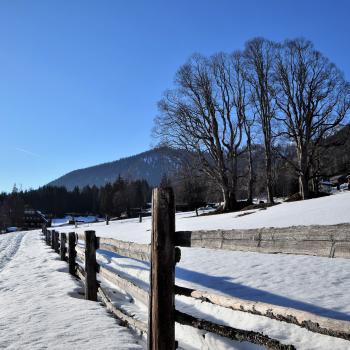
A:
{"x":150,"y":166}
{"x":153,"y":164}
{"x":336,"y":153}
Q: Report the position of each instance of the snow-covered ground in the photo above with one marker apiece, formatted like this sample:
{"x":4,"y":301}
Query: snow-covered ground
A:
{"x":40,"y":304}
{"x":79,"y":219}
{"x":50,"y":311}
{"x":330,"y":210}
{"x":314,"y":284}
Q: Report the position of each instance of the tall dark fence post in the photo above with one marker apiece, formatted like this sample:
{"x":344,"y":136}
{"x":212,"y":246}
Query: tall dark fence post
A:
{"x":47,"y":237}
{"x":57,"y":243}
{"x":161,"y":322}
{"x":90,"y":266}
{"x":63,"y":246}
{"x":53,"y":239}
{"x":71,"y":252}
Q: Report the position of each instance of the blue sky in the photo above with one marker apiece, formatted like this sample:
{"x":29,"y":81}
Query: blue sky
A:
{"x":80,"y":80}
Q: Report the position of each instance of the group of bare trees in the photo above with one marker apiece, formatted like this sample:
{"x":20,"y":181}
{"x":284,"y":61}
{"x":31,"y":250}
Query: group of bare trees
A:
{"x":274,"y":93}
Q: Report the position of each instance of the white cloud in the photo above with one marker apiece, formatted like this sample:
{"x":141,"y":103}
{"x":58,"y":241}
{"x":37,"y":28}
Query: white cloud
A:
{"x":27,"y":152}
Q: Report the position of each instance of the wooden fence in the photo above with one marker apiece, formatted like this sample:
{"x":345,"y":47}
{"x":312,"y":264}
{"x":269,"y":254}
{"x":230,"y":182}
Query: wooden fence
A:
{"x":163,"y":254}
{"x":331,"y":241}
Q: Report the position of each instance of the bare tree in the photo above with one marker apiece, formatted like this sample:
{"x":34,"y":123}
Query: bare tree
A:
{"x":313,"y":99}
{"x":200,"y":115}
{"x":241,"y":96}
{"x":248,"y":124}
{"x":260,"y":58}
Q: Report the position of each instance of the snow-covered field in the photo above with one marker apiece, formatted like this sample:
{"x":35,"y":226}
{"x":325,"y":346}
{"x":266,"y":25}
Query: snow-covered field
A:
{"x":313,"y":284}
{"x":48,"y":303}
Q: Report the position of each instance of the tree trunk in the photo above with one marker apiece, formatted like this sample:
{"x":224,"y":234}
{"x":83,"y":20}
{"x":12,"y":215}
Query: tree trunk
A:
{"x":230,"y":202}
{"x":304,"y":173}
{"x":315,"y":185}
{"x":229,"y":184}
{"x":269,"y":180}
{"x":250,"y":171}
{"x":304,"y":186}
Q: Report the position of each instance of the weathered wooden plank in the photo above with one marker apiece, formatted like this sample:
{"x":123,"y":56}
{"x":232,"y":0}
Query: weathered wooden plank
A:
{"x":231,"y":333}
{"x":341,"y":250}
{"x":327,"y":241}
{"x":80,"y":253}
{"x":122,"y":283}
{"x":79,"y":271}
{"x":310,"y":321}
{"x":126,"y":319}
{"x":127,"y":249}
{"x":80,"y":237}
{"x":161,"y":334}
{"x":340,"y":232}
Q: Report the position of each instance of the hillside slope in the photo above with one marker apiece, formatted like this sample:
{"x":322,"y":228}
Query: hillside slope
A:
{"x":150,"y":165}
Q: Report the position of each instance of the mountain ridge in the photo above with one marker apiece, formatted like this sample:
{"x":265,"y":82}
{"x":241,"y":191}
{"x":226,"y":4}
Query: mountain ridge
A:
{"x":149,"y":165}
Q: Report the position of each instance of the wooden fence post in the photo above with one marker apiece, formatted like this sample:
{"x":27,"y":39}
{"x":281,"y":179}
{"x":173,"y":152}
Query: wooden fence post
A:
{"x":90,"y":266}
{"x":71,"y":253}
{"x":53,"y":239}
{"x":63,"y":246}
{"x":47,"y":237}
{"x":57,"y":244}
{"x":161,"y":321}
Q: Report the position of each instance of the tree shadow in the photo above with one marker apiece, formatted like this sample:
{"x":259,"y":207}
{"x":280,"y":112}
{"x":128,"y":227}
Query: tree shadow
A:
{"x":130,"y":277}
{"x":225,"y":285}
{"x":111,"y":255}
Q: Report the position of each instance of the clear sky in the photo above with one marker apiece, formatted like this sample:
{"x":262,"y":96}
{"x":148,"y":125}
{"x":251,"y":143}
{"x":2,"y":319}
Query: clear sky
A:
{"x":80,"y":79}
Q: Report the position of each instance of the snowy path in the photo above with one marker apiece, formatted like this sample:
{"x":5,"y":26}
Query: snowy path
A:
{"x":9,"y":245}
{"x":40,"y":307}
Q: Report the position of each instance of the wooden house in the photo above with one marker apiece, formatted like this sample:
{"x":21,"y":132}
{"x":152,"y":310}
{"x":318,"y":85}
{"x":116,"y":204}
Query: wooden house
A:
{"x":34,"y":219}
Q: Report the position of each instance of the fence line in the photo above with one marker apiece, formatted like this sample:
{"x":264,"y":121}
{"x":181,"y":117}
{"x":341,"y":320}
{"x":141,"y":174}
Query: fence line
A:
{"x":328,"y":241}
{"x":163,"y":256}
{"x":304,"y":319}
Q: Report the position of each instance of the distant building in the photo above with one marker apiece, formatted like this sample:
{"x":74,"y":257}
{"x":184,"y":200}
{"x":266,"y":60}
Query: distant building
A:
{"x":339,"y":180}
{"x":325,"y":186}
{"x":34,"y":219}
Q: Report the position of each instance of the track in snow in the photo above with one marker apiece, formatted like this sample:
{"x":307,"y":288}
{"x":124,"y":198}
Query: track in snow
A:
{"x":9,"y":244}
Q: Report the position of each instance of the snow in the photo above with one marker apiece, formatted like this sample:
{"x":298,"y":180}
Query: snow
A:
{"x":12,"y":229}
{"x":314,"y":284}
{"x":329,"y":210}
{"x":60,"y":221}
{"x":78,"y":219}
{"x":41,"y":306}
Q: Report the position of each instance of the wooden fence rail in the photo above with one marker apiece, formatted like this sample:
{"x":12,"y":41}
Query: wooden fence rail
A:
{"x":81,"y":255}
{"x":331,"y":241}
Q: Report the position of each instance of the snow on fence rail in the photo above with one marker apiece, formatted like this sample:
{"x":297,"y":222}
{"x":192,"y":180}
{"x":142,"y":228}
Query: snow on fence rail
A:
{"x":163,"y":256}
